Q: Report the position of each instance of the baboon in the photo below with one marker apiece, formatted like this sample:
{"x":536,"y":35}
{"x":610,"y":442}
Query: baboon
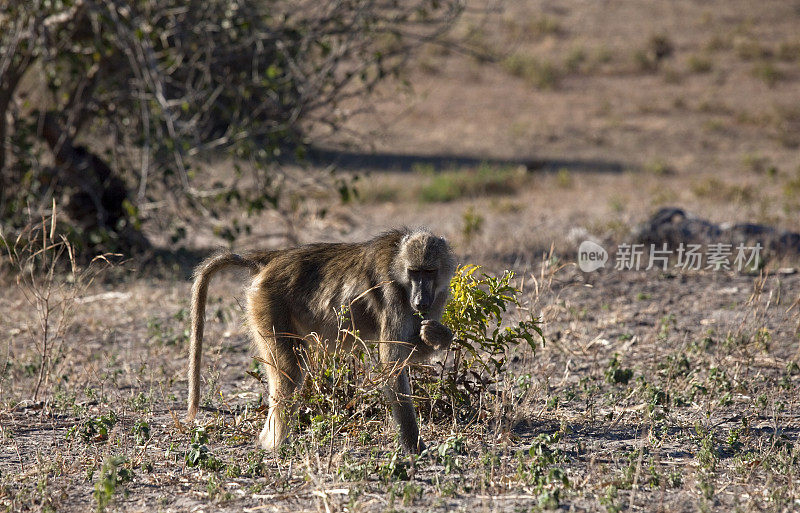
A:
{"x":395,"y":285}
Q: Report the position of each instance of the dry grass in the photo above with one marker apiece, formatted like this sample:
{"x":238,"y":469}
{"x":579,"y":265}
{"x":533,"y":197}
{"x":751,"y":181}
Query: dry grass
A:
{"x":655,"y":391}
{"x":636,"y":398}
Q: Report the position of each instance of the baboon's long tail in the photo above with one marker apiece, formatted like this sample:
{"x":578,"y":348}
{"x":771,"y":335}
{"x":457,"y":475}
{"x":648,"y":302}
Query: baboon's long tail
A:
{"x":202,"y":277}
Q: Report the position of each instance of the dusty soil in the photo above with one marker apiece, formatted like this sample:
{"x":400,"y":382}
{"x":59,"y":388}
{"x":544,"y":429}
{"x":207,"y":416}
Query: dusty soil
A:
{"x":593,"y":137}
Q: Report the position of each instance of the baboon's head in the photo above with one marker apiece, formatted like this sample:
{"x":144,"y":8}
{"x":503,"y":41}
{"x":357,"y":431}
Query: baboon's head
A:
{"x":424,"y":265}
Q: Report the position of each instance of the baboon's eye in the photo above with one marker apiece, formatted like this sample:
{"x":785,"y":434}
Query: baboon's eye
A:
{"x":422,"y":274}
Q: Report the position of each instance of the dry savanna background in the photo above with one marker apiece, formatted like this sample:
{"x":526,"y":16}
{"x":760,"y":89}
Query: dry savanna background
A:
{"x":515,"y":129}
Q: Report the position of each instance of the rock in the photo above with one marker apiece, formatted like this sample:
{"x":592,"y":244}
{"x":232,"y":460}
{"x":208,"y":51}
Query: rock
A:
{"x":675,"y":226}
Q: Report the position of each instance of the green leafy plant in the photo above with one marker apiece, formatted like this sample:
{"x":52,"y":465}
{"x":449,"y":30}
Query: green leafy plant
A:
{"x":482,"y":341}
{"x":141,"y":432}
{"x":475,"y":314}
{"x":538,"y":467}
{"x":451,"y":454}
{"x":112,"y":474}
{"x":96,"y":429}
{"x":395,"y":469}
{"x":615,"y":373}
{"x":473,"y":223}
{"x":199,"y":453}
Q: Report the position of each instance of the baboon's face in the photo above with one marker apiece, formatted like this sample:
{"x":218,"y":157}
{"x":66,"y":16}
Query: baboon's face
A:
{"x":427,"y":264}
{"x":423,"y":288}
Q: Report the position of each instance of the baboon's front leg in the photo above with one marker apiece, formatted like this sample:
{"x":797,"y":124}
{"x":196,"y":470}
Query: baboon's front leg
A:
{"x":398,"y":393}
{"x":395,"y":356}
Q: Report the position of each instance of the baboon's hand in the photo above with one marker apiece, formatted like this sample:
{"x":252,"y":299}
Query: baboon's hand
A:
{"x":435,"y":334}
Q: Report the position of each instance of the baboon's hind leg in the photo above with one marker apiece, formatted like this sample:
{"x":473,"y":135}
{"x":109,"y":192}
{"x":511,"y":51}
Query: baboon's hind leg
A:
{"x":281,"y":354}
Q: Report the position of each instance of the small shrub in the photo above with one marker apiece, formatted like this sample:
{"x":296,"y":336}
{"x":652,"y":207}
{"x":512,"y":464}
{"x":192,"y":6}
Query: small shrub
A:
{"x":789,"y":51}
{"x":141,"y":432}
{"x":759,"y":164}
{"x":473,"y":223}
{"x":699,"y":64}
{"x":768,"y":73}
{"x":254,"y":464}
{"x":791,"y":189}
{"x":96,"y":429}
{"x":542,"y":25}
{"x":576,"y":58}
{"x":564,"y":178}
{"x":707,"y":454}
{"x":538,"y":467}
{"x":50,"y":277}
{"x":475,"y":314}
{"x":450,"y":454}
{"x":423,"y":168}
{"x":615,"y":373}
{"x":333,"y":380}
{"x":719,"y":42}
{"x":659,"y":167}
{"x":482,"y":341}
{"x":396,"y":469}
{"x":749,"y":49}
{"x":111,"y":474}
{"x":486,"y":180}
{"x":658,"y":48}
{"x":199,"y":454}
{"x":717,"y":189}
{"x":540,"y":74}
{"x":603,"y":55}
{"x":608,"y":499}
{"x":533,"y":28}
{"x":354,"y":469}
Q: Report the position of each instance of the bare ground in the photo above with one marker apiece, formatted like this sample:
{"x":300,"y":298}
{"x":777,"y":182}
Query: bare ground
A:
{"x":709,"y":417}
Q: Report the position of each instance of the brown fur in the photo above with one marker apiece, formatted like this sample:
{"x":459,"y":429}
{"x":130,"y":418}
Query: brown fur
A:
{"x":298,"y":291}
